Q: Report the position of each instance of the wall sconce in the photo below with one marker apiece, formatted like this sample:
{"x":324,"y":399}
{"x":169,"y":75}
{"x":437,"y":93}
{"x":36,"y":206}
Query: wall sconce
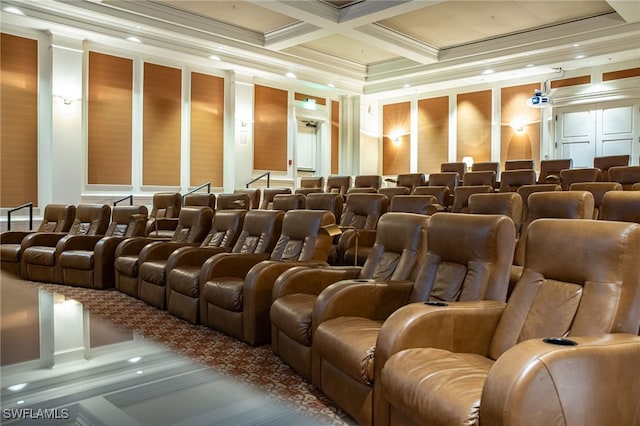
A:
{"x":468,"y":161}
{"x":395,"y":136}
{"x":67,"y":101}
{"x":519,"y":125}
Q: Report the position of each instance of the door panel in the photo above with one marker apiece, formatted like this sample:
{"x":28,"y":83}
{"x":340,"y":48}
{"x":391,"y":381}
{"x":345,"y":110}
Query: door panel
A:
{"x":576,"y":127}
{"x":617,"y":131}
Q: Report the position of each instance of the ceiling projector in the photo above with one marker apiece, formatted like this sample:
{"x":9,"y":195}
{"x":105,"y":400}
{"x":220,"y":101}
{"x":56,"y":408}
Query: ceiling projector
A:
{"x":538,"y":100}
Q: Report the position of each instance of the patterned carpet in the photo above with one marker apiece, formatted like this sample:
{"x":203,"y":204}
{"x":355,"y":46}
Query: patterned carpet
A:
{"x":256,"y":366}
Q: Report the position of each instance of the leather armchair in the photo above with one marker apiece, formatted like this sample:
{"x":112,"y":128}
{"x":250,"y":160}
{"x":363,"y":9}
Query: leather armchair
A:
{"x":550,"y":170}
{"x":330,"y":201}
{"x":486,"y":362}
{"x":462,"y":193}
{"x":449,"y":179}
{"x":519,"y":164}
{"x":570,"y":176}
{"x":411,"y":180}
{"x":467,"y":258}
{"x":193,"y":226}
{"x":367,"y":181}
{"x":458,"y":167}
{"x":400,"y":244}
{"x":236,"y":288}
{"x":621,"y":206}
{"x":56,"y":218}
{"x":525,"y":190}
{"x":269,"y":193}
{"x":233,"y":201}
{"x":204,"y":199}
{"x":604,"y":163}
{"x":507,"y":204}
{"x":361,"y":212}
{"x":478,"y":178}
{"x":419,"y":204}
{"x":338,"y":184}
{"x":511,"y":180}
{"x":310,"y":185}
{"x":230,"y":231}
{"x":163,"y":217}
{"x":393,"y":191}
{"x":87,"y":260}
{"x":598,"y":190}
{"x":441,"y":193}
{"x":625,"y":175}
{"x":255,"y":195}
{"x":286,"y":202}
{"x":40,"y":249}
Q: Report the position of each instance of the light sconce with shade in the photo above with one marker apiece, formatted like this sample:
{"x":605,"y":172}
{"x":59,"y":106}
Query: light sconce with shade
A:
{"x":519,"y":125}
{"x":395,"y":136}
{"x":468,"y":161}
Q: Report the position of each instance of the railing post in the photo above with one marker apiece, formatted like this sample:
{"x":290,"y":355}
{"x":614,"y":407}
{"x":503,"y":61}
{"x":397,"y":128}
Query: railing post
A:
{"x":30,"y":205}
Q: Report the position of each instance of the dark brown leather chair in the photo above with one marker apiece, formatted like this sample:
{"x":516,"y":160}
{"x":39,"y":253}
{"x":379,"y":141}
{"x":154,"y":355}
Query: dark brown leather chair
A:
{"x":366,"y":182}
{"x":486,"y":165}
{"x":201,"y":199}
{"x":393,"y":191}
{"x":87,"y":260}
{"x":40,"y":249}
{"x":330,"y":201}
{"x":525,"y":190}
{"x":236,"y":288}
{"x":561,"y":351}
{"x":519,"y":164}
{"x":163,"y":217}
{"x":441,"y":193}
{"x":255,"y":195}
{"x":411,"y":180}
{"x":286,"y":202}
{"x":269,"y":193}
{"x":478,"y":178}
{"x":310,"y":185}
{"x":621,"y":206}
{"x":193,"y":226}
{"x":458,"y":167}
{"x":550,"y":170}
{"x":598,"y":190}
{"x":361,"y":213}
{"x":339,"y":184}
{"x":419,"y":204}
{"x":570,"y":176}
{"x":466,"y":259}
{"x":400,"y":244}
{"x":511,"y":180}
{"x":233,"y":201}
{"x":604,"y":163}
{"x":449,"y":179}
{"x":462,"y":193}
{"x":56,"y":218}
{"x":182,"y":267}
{"x":507,"y":204}
{"x":627,"y":176}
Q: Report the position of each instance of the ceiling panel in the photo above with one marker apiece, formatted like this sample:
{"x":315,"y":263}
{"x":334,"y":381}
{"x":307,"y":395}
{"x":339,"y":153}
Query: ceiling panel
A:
{"x":350,"y":49}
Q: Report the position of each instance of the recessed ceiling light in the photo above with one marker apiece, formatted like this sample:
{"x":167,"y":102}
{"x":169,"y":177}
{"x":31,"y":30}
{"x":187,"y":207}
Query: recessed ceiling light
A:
{"x":576,"y":45}
{"x":485,"y":72}
{"x":134,"y":39}
{"x":291,"y":75}
{"x":331,"y":85}
{"x":214,"y":57}
{"x":15,"y":388}
{"x":407,"y":85}
{"x":530,"y":65}
{"x":580,"y":56}
{"x":14,"y":10}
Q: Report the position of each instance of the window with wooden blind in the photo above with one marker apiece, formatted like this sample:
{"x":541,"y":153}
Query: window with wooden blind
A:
{"x":396,"y":150}
{"x":520,"y":127}
{"x":474,"y":126}
{"x":433,"y":134}
{"x":270,"y":129}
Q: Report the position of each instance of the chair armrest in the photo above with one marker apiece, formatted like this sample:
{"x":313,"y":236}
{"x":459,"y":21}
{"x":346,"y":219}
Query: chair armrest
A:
{"x":311,"y":280}
{"x":229,"y":265}
{"x":13,"y":237}
{"x":371,"y":299}
{"x":166,"y":223}
{"x":77,"y":242}
{"x":103,"y":258}
{"x":594,"y":382}
{"x":160,"y":250}
{"x":193,"y":256}
{"x":49,"y":239}
{"x":132,"y":246}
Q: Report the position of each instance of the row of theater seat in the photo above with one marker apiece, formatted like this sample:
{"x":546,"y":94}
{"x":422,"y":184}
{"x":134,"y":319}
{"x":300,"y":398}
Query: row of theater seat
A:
{"x":351,"y":330}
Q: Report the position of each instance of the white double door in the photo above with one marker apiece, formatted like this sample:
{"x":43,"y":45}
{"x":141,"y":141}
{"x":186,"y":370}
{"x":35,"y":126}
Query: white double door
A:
{"x":594,"y":130}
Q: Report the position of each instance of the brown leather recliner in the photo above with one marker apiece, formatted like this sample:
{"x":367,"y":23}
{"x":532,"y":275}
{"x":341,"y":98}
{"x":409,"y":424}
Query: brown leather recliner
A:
{"x":230,"y":231}
{"x":56,"y":218}
{"x":205,"y":199}
{"x":400,"y":244}
{"x":393,"y":191}
{"x":519,"y":164}
{"x":361,"y":212}
{"x":511,"y":180}
{"x":163,"y":217}
{"x":467,"y":258}
{"x":550,"y":170}
{"x":154,"y":260}
{"x":233,"y":201}
{"x":330,"y":201}
{"x":462,"y":193}
{"x":441,"y":193}
{"x":604,"y":163}
{"x":507,"y":204}
{"x":562,"y":350}
{"x":87,"y":260}
{"x":269,"y":193}
{"x":310,"y":185}
{"x":525,"y":190}
{"x":598,"y":190}
{"x":39,"y":250}
{"x":458,"y":167}
{"x":625,"y":175}
{"x":411,"y":180}
{"x":621,"y":206}
{"x":286,"y":202}
{"x":449,"y":179}
{"x":570,"y":176}
{"x":236,"y":288}
{"x":419,"y":204}
{"x":193,"y":226}
{"x":550,"y":204}
{"x":339,"y":184}
{"x":255,"y":196}
{"x":478,"y":178}
{"x":366,"y":182}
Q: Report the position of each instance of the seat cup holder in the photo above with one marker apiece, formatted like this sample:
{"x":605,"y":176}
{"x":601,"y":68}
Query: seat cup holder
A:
{"x":430,"y":303}
{"x":362,"y":280}
{"x":559,"y":341}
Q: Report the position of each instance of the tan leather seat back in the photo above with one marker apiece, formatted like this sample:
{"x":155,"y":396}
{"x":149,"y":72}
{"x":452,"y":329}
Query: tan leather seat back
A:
{"x":330,"y":201}
{"x":201,"y":199}
{"x":486,"y":165}
{"x":57,"y":218}
{"x":508,"y":204}
{"x":511,"y":180}
{"x":399,"y":247}
{"x":621,"y":206}
{"x":193,"y":224}
{"x":368,"y":181}
{"x":225,"y":228}
{"x":91,"y":219}
{"x":440,"y":192}
{"x":605,"y":163}
{"x":458,"y":167}
{"x":449,"y":179}
{"x":339,"y":184}
{"x":260,"y":231}
{"x":233,"y":201}
{"x":312,"y":182}
{"x":462,"y":194}
{"x":570,"y":176}
{"x":411,"y":180}
{"x":418,"y":204}
{"x":550,"y":169}
{"x":519,"y":164}
{"x":476,"y":178}
{"x":166,"y":205}
{"x":286,"y":202}
{"x":255,"y":195}
{"x":127,"y":221}
{"x":597,"y":189}
{"x":269,"y":193}
{"x":362,"y":211}
{"x":580,"y":278}
{"x":525,"y":190}
{"x":394,"y":191}
{"x":468,"y":258}
{"x":625,"y":175}
{"x":301,"y":238}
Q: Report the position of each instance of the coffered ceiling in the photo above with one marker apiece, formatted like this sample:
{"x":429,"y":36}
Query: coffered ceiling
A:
{"x":366,"y":46}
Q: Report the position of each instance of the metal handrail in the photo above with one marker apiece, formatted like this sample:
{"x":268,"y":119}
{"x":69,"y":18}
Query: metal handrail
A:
{"x":208,"y":185}
{"x":30,"y":205}
{"x":129,"y":197}
{"x":267,"y":174}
